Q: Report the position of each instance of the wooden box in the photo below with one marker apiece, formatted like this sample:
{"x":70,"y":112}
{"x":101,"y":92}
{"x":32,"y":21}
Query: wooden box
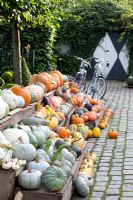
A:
{"x":7,"y":181}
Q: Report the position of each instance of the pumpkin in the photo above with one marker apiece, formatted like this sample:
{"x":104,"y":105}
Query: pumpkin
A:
{"x":88,"y":106}
{"x":64,"y":132}
{"x":112,"y":134}
{"x":4,"y":107}
{"x":34,"y":121}
{"x":18,"y":90}
{"x":24,"y":151}
{"x":32,"y":139}
{"x":21,"y":102}
{"x":45,"y":129}
{"x":36,"y":90}
{"x":43,"y":155}
{"x":77,"y":149}
{"x":67,"y":155}
{"x":54,"y":179}
{"x":10,"y":98}
{"x":60,"y":115}
{"x":38,"y":164}
{"x":81,"y":186}
{"x":30,"y":179}
{"x":13,"y":134}
{"x":40,"y":137}
{"x":96,"y":132}
{"x":5,"y":153}
{"x":59,"y":75}
{"x":59,"y":142}
{"x":41,"y":85}
{"x":77,"y":120}
{"x":74,"y":90}
{"x":93,"y":101}
{"x":73,"y":127}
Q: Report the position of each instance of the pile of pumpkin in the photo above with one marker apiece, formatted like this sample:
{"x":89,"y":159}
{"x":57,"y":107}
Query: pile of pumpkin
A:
{"x":85,"y":177}
{"x":48,"y":159}
{"x":105,"y":118}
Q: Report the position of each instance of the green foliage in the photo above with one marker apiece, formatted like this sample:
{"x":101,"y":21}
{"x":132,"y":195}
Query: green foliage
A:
{"x":26,"y":75}
{"x":9,"y":85}
{"x":8,"y":76}
{"x":2,"y":82}
{"x":84,"y":29}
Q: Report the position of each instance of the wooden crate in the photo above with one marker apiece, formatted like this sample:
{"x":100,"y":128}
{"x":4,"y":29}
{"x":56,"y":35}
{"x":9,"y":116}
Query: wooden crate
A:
{"x":7,"y":181}
{"x":64,"y":194}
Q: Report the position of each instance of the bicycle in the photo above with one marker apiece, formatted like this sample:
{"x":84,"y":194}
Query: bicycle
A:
{"x":81,"y":75}
{"x":97,"y":87}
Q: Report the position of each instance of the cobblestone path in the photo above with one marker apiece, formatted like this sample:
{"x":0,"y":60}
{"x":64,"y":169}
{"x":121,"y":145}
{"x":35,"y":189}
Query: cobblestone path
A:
{"x":113,"y":177}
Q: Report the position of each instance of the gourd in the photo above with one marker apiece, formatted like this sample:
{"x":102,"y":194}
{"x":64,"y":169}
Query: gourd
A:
{"x":32,"y":139}
{"x":44,"y":129}
{"x":5,"y":152}
{"x":40,"y":137}
{"x":12,"y":134}
{"x":63,"y":166}
{"x":34,"y":121}
{"x":58,"y":153}
{"x":24,"y":151}
{"x":3,"y":109}
{"x":21,"y":102}
{"x":38,"y":164}
{"x":30,"y":179}
{"x":64,"y":132}
{"x":67,"y":155}
{"x":81,"y":186}
{"x":59,"y":142}
{"x":54,"y":179}
{"x":3,"y":140}
{"x":43,"y":155}
{"x":96,"y":132}
{"x":112,"y":134}
{"x":6,"y":165}
{"x":77,"y":149}
{"x":9,"y":98}
{"x":18,"y":90}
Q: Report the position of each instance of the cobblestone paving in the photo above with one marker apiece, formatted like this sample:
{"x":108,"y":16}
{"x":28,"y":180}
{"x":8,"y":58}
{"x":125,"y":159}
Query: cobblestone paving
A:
{"x":113,"y":176}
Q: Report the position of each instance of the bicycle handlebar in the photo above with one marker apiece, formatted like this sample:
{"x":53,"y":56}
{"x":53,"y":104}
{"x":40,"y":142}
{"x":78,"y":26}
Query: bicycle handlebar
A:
{"x":83,"y":60}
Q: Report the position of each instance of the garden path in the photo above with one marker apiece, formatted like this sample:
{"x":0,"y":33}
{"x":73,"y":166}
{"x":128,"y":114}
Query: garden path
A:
{"x":113,"y":176}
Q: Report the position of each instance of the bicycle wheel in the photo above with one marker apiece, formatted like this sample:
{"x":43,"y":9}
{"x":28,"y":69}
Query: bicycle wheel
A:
{"x":97,"y":88}
{"x":81,"y":83}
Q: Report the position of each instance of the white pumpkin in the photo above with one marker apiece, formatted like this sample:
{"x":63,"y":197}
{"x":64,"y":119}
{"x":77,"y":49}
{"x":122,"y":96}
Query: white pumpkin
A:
{"x":3,"y":140}
{"x":5,"y":154}
{"x":10,"y":98}
{"x":13,"y":134}
{"x":3,"y":108}
{"x":21,"y":102}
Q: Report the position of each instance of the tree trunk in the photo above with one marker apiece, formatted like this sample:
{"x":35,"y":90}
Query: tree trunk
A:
{"x":16,"y":53}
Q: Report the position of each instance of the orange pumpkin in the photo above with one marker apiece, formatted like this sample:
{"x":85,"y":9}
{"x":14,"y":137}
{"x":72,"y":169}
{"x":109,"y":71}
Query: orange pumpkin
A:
{"x":64,"y":132}
{"x":112,"y":134}
{"x":18,"y":90}
{"x":77,"y":120}
{"x":93,"y":101}
{"x":43,"y":78}
{"x":74,"y":90}
{"x":59,"y":75}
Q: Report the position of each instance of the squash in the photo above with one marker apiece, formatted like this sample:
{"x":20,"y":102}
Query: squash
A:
{"x":10,"y":98}
{"x":54,"y":179}
{"x":96,"y":132}
{"x":77,"y":149}
{"x":21,"y":102}
{"x":34,"y":121}
{"x":5,"y":153}
{"x":38,"y":164}
{"x":112,"y":134}
{"x":45,"y":129}
{"x":13,"y":134}
{"x":30,"y":179}
{"x":81,"y":186}
{"x":18,"y":90}
{"x":67,"y":155}
{"x":43,"y":155}
{"x":3,"y":139}
{"x":3,"y":108}
{"x":32,"y":139}
{"x":24,"y":151}
{"x":40,"y":137}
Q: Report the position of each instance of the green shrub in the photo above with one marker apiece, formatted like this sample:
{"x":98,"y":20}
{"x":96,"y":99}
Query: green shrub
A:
{"x":2,"y":82}
{"x":26,"y":75}
{"x":8,"y":76}
{"x":9,"y":85}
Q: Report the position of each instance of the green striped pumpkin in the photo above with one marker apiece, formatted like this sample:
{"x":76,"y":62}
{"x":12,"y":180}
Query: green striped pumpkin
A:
{"x":54,"y":179}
